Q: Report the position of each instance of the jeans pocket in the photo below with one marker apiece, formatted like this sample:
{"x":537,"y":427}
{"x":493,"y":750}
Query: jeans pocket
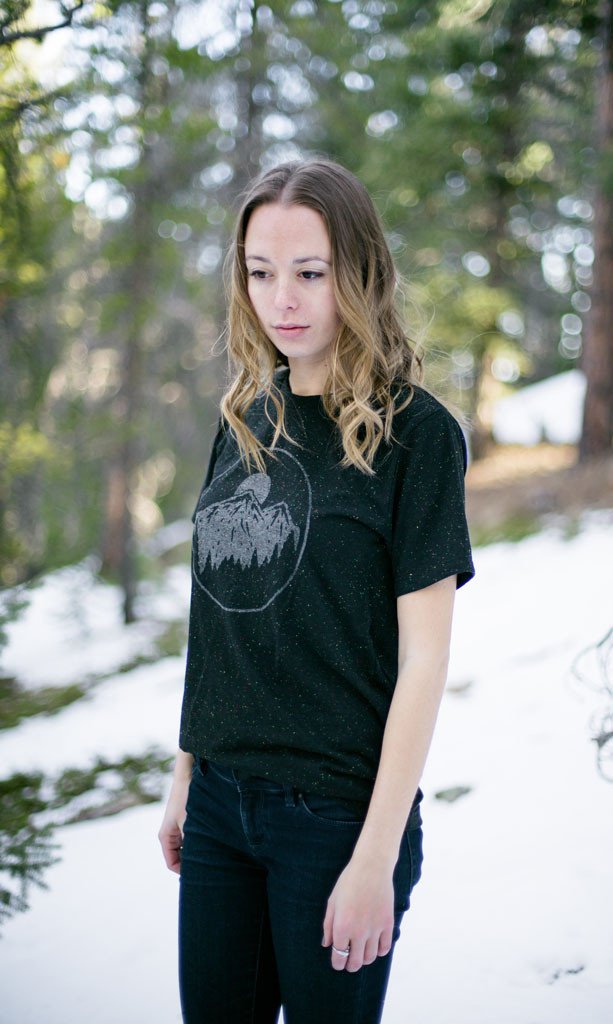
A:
{"x":408,"y":867}
{"x":413,"y":837}
{"x":333,"y":810}
{"x":200,"y":767}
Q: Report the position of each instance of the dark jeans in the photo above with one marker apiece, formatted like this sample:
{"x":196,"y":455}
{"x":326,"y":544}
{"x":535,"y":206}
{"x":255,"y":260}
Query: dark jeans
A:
{"x":258,"y":863}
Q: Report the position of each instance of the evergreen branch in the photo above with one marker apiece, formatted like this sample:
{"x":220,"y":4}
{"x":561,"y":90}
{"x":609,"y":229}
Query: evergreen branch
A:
{"x":6,"y":38}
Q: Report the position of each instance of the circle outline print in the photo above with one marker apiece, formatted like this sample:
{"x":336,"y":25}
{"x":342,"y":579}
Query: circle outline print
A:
{"x":241,"y":528}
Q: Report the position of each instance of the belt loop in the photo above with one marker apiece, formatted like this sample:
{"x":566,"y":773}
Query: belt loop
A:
{"x":291,"y":795}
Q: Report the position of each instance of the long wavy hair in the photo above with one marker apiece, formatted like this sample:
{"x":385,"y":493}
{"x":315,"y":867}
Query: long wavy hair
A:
{"x":372,"y":358}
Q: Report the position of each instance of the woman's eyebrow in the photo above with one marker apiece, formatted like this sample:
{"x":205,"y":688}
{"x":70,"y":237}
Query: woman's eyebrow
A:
{"x":309,"y":259}
{"x":301,"y":259}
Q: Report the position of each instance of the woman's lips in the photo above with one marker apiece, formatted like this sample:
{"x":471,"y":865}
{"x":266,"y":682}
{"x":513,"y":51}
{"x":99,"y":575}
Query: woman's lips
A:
{"x":290,"y":330}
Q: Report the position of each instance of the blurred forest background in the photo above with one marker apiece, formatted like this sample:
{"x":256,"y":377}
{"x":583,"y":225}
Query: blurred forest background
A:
{"x":484,"y":131}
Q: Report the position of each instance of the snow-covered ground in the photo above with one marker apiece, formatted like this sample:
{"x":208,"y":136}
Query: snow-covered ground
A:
{"x":551,"y":410}
{"x":511,"y":922}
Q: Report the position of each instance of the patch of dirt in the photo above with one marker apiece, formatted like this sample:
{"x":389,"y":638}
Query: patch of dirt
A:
{"x":520,"y":484}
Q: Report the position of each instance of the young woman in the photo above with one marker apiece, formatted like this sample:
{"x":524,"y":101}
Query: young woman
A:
{"x":329,"y":539}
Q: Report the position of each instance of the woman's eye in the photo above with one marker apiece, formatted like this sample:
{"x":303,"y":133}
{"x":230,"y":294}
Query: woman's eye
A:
{"x":306,"y":275}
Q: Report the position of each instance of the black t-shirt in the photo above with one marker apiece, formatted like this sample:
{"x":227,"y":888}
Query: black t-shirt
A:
{"x":293,"y":636}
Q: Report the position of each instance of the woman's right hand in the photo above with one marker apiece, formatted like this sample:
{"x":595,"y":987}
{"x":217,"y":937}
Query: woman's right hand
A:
{"x":171,"y":830}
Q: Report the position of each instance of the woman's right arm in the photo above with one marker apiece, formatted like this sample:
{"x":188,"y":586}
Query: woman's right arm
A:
{"x":171,"y":831}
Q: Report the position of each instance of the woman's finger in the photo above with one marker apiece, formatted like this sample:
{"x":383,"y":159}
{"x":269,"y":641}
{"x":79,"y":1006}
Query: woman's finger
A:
{"x":338,"y":958}
{"x":171,"y":846}
{"x":327,"y":936}
{"x":355,"y":960}
{"x":371,"y":950}
{"x":385,"y":942}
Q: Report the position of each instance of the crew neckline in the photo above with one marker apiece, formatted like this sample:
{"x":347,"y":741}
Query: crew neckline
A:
{"x":294,"y":395}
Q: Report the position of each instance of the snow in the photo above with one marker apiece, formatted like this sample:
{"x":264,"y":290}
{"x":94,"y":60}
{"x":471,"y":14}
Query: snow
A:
{"x":550,"y":410}
{"x":132,"y":711}
{"x":511,"y":920}
{"x":72,"y":628}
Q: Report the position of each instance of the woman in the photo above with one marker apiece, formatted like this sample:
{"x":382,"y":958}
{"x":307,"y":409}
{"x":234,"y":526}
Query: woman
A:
{"x":330,"y":537}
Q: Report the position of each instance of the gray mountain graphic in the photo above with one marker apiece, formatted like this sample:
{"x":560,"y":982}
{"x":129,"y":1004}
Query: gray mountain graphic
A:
{"x":240,"y":527}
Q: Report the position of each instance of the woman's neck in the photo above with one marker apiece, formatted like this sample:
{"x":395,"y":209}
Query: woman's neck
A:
{"x":306,"y":383}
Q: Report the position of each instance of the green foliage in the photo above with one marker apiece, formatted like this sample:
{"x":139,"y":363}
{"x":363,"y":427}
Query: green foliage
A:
{"x":139,"y":777}
{"x":18,"y":702}
{"x":604,"y":170}
{"x":33,"y":806}
{"x":12,"y":603}
{"x":472,"y":124}
{"x":26,"y":850}
{"x":171,"y":642}
{"x":27,"y":460}
{"x":514,"y":528}
{"x":22,"y":449}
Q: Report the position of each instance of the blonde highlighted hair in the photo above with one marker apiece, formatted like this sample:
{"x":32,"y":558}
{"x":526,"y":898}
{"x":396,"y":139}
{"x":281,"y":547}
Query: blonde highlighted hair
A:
{"x":371,"y":357}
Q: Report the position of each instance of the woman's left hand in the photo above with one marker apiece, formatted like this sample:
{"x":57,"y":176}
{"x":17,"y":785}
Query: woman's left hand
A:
{"x":360,"y":912}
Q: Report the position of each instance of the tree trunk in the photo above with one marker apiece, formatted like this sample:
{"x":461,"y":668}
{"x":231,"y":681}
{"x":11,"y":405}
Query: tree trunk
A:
{"x":119,"y":553}
{"x":597,"y":361}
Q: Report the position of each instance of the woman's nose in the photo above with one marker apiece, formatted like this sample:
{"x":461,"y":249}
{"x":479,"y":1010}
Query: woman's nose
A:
{"x":285,"y":296}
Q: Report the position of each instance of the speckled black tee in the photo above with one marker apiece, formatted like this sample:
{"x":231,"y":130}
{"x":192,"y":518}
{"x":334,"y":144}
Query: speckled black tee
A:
{"x":293,"y":636}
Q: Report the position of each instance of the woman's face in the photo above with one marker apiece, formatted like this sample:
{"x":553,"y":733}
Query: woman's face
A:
{"x":289,"y":266}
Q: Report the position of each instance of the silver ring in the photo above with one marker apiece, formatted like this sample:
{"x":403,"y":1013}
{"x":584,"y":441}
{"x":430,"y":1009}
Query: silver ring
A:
{"x":341,"y":952}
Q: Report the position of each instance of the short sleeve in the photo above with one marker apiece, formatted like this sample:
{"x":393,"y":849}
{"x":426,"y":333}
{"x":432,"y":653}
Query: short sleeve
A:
{"x":430,"y":538}
{"x":219,"y":433}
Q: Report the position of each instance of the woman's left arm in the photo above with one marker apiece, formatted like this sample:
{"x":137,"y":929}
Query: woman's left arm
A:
{"x":361,"y":906}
